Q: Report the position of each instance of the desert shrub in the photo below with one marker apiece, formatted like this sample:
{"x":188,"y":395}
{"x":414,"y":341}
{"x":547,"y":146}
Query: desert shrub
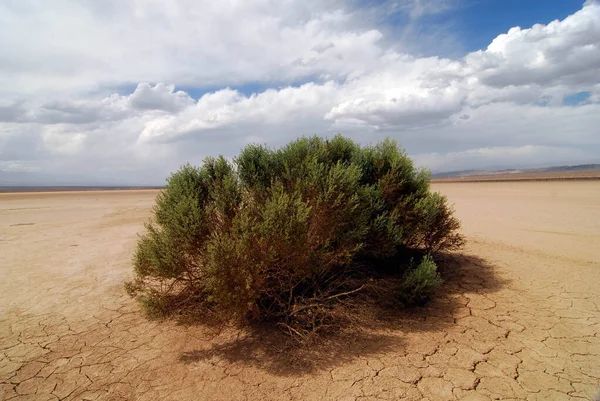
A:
{"x":287,"y":235}
{"x":419,"y":283}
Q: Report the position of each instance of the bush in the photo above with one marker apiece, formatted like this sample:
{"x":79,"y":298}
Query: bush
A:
{"x":288,"y":235}
{"x":420,"y":283}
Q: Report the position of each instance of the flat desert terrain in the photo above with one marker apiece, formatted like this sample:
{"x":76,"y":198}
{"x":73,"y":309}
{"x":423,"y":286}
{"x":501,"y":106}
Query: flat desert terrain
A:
{"x":518,"y":316}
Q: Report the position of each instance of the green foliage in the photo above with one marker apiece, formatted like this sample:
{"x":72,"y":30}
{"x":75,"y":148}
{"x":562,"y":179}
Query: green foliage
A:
{"x":284,"y":234}
{"x":420,"y":283}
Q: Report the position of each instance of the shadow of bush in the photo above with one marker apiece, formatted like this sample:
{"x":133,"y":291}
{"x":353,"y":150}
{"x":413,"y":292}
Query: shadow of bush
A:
{"x":372,"y":328}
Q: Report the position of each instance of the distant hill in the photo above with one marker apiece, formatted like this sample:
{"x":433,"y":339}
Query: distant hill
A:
{"x":579,"y":172}
{"x":581,"y":167}
{"x":542,"y":170}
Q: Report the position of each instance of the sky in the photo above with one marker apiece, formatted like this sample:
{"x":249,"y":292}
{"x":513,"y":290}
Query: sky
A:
{"x":124,"y":92}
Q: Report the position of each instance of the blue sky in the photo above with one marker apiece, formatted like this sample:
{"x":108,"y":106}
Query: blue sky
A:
{"x":125,"y":93}
{"x":478,"y":22}
{"x":473,"y":24}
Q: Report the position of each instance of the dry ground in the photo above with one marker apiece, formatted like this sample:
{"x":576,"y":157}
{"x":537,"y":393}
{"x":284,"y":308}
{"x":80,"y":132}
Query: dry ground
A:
{"x":518,"y":318}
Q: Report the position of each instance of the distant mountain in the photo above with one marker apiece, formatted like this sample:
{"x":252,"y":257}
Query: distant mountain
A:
{"x":460,"y":173}
{"x":581,"y":167}
{"x":552,"y":169}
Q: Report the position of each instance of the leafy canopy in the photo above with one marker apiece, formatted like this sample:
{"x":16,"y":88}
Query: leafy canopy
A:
{"x":288,"y":234}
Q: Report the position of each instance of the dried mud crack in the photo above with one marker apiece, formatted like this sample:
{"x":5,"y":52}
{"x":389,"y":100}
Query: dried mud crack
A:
{"x":518,"y":317}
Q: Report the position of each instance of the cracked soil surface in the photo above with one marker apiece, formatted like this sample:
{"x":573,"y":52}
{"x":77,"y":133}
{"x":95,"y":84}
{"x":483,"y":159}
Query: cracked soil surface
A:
{"x":518,"y":317}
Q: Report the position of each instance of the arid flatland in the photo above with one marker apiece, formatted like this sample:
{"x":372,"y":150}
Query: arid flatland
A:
{"x":518,"y":317}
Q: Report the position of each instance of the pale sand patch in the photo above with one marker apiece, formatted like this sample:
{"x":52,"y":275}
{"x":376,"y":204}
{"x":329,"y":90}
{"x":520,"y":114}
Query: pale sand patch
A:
{"x":518,"y":319}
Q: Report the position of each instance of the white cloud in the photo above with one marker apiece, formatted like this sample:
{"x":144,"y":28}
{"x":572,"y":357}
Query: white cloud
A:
{"x":18,"y":166}
{"x":228,"y":109}
{"x":187,"y":42}
{"x":62,"y":140}
{"x":159,"y":97}
{"x":510,"y":124}
{"x":145,"y":98}
{"x":563,"y":52}
{"x":501,"y":105}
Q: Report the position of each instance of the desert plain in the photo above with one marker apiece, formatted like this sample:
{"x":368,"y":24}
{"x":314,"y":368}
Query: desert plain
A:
{"x":517,"y":318}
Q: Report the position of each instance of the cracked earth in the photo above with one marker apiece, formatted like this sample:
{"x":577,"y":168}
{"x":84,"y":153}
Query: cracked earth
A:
{"x":518,"y":317}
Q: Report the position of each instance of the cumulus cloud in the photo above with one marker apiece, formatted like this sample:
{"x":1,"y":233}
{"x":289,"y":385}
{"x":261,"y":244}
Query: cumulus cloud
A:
{"x":321,"y":70}
{"x":229,"y":109}
{"x":185,"y":41}
{"x":159,"y":97}
{"x":64,"y":111}
{"x":563,"y":52}
{"x":144,"y":98}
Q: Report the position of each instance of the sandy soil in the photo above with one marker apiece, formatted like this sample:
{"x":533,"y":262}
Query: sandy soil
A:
{"x":518,"y":317}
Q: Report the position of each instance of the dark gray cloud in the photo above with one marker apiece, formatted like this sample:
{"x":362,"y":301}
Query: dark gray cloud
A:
{"x":12,"y":113}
